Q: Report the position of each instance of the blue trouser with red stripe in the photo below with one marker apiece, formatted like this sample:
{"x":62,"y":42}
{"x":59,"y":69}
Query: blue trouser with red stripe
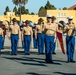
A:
{"x":40,"y":43}
{"x":35,"y":42}
{"x":54,"y":47}
{"x":27,"y":42}
{"x":49,"y":44}
{"x":3,"y":42}
{"x":70,"y":43}
{"x":22,"y":44}
{"x":1,"y":38}
{"x":14,"y":43}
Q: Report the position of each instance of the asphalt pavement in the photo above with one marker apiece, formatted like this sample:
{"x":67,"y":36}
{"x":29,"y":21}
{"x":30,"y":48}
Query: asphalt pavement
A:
{"x":34,"y":64}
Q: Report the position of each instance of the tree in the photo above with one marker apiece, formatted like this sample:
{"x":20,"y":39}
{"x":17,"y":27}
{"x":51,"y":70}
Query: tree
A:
{"x":41,"y":8}
{"x":20,"y":3}
{"x":15,"y":10}
{"x":65,"y":8}
{"x":23,"y":10}
{"x":49,"y":6}
{"x":6,"y":10}
{"x":27,"y":11}
{"x":53,"y":7}
{"x":41,"y":11}
{"x":32,"y":13}
{"x":59,"y":8}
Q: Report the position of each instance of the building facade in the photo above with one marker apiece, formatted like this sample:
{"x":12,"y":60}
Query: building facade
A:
{"x":59,"y":14}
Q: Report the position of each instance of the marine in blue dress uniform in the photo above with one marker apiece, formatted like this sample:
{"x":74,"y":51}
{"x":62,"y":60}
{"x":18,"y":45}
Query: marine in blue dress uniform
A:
{"x":54,"y":22}
{"x":23,"y":24}
{"x":50,"y":33}
{"x":26,"y":37}
{"x":35,"y":42}
{"x":40,"y":35}
{"x":14,"y":34}
{"x":1,"y":38}
{"x":4,"y":32}
{"x":70,"y":39}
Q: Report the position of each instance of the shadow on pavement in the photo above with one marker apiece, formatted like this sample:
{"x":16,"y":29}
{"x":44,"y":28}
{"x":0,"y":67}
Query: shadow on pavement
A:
{"x":32,"y":73}
{"x":9,"y":47}
{"x":27,"y":61}
{"x":30,"y":61}
{"x":20,"y":52}
{"x":9,"y":52}
{"x":61,"y":73}
{"x":59,"y":60}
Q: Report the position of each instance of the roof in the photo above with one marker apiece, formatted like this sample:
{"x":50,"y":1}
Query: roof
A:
{"x":72,"y":7}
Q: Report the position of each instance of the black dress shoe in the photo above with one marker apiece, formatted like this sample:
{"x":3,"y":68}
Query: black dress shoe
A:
{"x":49,"y":62}
{"x":27,"y":54}
{"x":41,"y":53}
{"x":35,"y":48}
{"x":13,"y":54}
{"x":68,"y":62}
{"x":54,"y":53}
{"x":72,"y":61}
{"x":2,"y":48}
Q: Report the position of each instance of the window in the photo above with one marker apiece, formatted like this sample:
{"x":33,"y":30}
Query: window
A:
{"x":61,"y":14}
{"x":58,"y":14}
{"x":64,"y":14}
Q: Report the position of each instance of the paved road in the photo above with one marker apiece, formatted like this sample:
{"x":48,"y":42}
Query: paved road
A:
{"x":34,"y":64}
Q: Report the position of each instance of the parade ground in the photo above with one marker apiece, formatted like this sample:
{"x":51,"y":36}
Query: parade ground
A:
{"x":34,"y":64}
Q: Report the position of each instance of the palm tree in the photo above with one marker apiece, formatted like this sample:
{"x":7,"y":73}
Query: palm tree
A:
{"x":20,"y":3}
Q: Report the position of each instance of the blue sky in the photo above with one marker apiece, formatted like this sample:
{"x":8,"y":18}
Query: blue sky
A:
{"x":34,"y":5}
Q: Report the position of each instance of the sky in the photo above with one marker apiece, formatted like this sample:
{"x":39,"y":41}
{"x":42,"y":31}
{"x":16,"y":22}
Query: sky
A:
{"x":34,"y":5}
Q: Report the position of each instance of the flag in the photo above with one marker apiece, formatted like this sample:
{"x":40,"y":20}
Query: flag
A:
{"x":60,"y":38}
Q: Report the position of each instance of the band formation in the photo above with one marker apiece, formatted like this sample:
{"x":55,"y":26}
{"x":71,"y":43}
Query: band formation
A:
{"x":44,"y":34}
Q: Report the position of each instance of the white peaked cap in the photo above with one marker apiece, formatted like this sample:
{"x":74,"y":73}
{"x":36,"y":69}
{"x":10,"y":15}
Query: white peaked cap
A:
{"x":23,"y":20}
{"x":11,"y":23}
{"x":1,"y":20}
{"x":71,"y":17}
{"x":49,"y":15}
{"x":35,"y":22}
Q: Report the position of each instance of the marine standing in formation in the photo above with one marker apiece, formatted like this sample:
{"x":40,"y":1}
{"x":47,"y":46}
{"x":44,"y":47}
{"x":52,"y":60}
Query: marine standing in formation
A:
{"x":54,"y":22}
{"x":4,"y":32}
{"x":26,"y":37}
{"x":35,"y":42}
{"x":40,"y":36}
{"x":14,"y":35}
{"x":23,"y":25}
{"x":70,"y":39}
{"x":50,"y":38}
{"x":1,"y":38}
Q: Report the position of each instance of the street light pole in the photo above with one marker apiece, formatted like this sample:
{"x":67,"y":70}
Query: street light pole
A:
{"x":20,"y":8}
{"x":20,"y":11}
{"x":10,"y":16}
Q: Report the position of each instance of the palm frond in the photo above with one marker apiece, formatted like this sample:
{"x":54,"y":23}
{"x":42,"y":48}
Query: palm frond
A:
{"x":16,"y":2}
